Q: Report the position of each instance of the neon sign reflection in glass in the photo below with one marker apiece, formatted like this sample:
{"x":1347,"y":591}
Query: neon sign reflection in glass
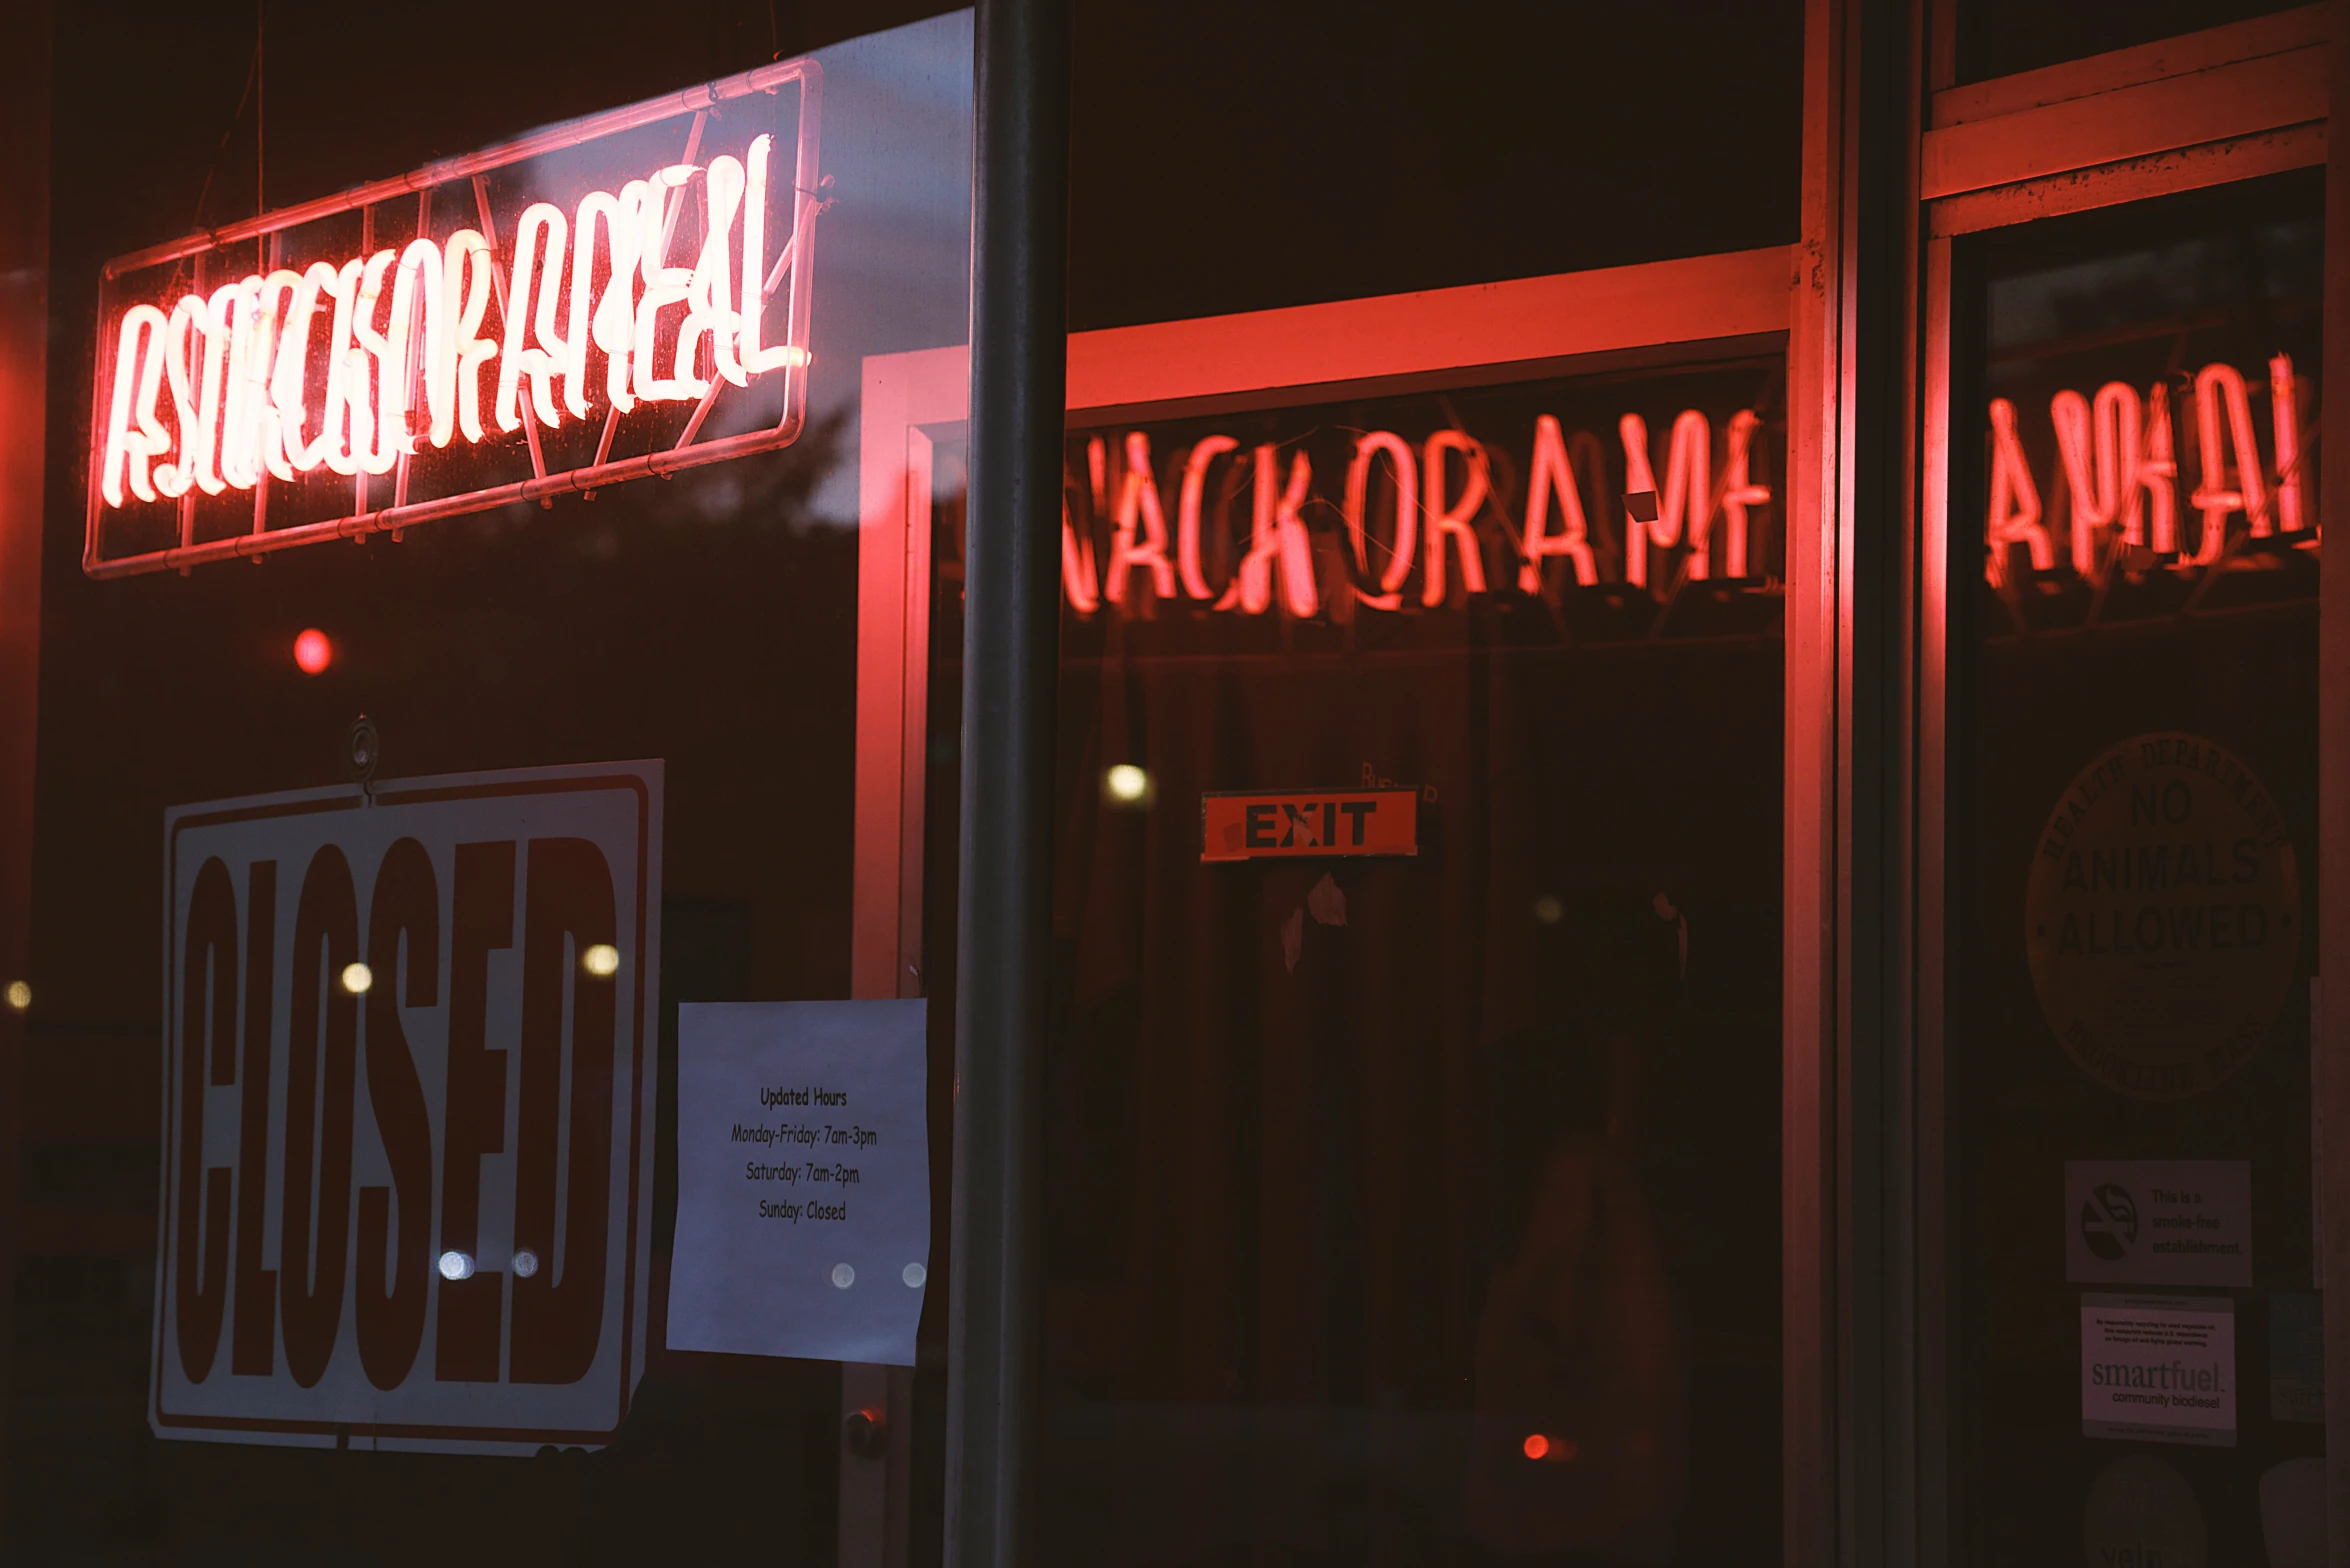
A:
{"x":2118,"y":465}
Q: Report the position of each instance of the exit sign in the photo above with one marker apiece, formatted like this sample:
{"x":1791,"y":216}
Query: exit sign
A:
{"x":1293,"y":824}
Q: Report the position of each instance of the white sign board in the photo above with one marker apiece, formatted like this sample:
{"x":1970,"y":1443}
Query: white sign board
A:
{"x":803,"y":1180}
{"x":409,"y":1062}
{"x":2159,"y":1368}
{"x":2158,"y":1222}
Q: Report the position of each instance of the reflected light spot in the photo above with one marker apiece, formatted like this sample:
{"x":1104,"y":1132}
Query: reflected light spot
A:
{"x":526,"y":1263}
{"x":313,"y":652}
{"x":20,"y":995}
{"x":1127,"y":782}
{"x":1537,"y":1445}
{"x":357,"y":978}
{"x":602,"y":960}
{"x":914,"y":1274}
{"x":843,"y":1276}
{"x":1549,"y":910}
{"x":456,"y":1265}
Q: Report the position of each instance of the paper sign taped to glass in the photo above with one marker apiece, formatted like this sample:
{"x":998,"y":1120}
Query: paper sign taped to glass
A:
{"x":2159,"y":1369}
{"x":803,"y":1180}
{"x":2158,"y":1222}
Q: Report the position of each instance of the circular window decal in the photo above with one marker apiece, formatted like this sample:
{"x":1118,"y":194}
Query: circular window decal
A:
{"x":2163,"y":917}
{"x":2140,"y":1510}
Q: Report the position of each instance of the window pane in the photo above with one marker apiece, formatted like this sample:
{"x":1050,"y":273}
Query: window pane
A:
{"x":348,"y":1218}
{"x":2001,"y":37}
{"x":1419,"y":1208}
{"x":2135,"y":811}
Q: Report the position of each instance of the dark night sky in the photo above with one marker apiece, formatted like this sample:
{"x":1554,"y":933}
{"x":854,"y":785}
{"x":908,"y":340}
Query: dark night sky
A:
{"x":1227,"y":155}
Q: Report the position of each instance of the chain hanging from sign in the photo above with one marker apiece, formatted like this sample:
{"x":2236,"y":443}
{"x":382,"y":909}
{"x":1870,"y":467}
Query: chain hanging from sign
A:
{"x":616,"y":297}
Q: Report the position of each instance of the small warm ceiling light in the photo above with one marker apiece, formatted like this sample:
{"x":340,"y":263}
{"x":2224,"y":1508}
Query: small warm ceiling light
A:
{"x":1127,"y":782}
{"x":1537,"y":1445}
{"x":313,"y":651}
{"x":357,"y":978}
{"x":20,"y":995}
{"x":602,"y":960}
{"x":1549,"y":910}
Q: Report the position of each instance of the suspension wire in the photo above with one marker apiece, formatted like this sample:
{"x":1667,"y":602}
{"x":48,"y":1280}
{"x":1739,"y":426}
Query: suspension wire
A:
{"x":260,"y":103}
{"x":228,"y":131}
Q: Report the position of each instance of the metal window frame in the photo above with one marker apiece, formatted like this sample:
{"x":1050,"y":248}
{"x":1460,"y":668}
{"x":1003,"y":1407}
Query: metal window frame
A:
{"x":2208,"y":108}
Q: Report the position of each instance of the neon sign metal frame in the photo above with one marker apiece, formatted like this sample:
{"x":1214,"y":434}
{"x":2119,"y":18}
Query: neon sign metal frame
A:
{"x":793,"y":268}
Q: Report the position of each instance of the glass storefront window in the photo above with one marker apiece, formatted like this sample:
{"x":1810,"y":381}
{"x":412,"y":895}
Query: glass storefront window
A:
{"x":1497,"y":826}
{"x":1416,"y":1207}
{"x":407,"y":1084}
{"x":2135,"y":819}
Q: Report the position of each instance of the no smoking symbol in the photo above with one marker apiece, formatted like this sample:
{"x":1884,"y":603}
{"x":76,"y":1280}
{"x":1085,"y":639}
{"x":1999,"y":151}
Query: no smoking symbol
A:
{"x":2109,"y":1222}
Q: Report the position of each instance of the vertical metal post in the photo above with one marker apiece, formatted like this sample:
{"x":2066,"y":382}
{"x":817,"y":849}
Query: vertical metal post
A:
{"x":1019,"y":351}
{"x":24,"y":374}
{"x":1816,"y":362}
{"x":1849,"y":1153}
{"x":2330,"y":1046}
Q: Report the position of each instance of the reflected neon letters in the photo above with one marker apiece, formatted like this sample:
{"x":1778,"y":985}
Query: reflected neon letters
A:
{"x":2117,"y":473}
{"x":1417,"y":524}
{"x":349,"y":367}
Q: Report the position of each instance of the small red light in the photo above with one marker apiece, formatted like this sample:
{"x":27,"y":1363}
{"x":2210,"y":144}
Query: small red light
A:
{"x":313,"y":652}
{"x":1537,"y":1445}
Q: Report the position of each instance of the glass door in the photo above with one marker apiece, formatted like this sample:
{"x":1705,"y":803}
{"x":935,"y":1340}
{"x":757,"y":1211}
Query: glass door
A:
{"x":2139,"y":817}
{"x":2124,"y":373}
{"x":1413,"y":1127}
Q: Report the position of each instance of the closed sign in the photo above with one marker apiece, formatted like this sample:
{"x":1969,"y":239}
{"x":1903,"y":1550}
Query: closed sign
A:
{"x":409,"y":1066}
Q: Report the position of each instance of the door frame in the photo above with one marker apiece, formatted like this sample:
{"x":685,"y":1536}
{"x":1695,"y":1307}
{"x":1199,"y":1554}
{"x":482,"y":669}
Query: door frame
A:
{"x":2229,"y":103}
{"x":1483,"y":334}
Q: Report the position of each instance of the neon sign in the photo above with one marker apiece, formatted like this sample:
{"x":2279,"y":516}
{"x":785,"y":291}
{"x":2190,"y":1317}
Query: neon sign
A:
{"x":607,"y":305}
{"x":2118,"y":470}
{"x":1410,"y":524}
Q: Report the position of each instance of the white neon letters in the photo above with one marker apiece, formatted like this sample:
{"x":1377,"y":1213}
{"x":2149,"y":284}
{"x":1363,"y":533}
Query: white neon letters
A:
{"x":348,"y":367}
{"x":134,"y":436}
{"x":539,"y":239}
{"x":759,"y":278}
